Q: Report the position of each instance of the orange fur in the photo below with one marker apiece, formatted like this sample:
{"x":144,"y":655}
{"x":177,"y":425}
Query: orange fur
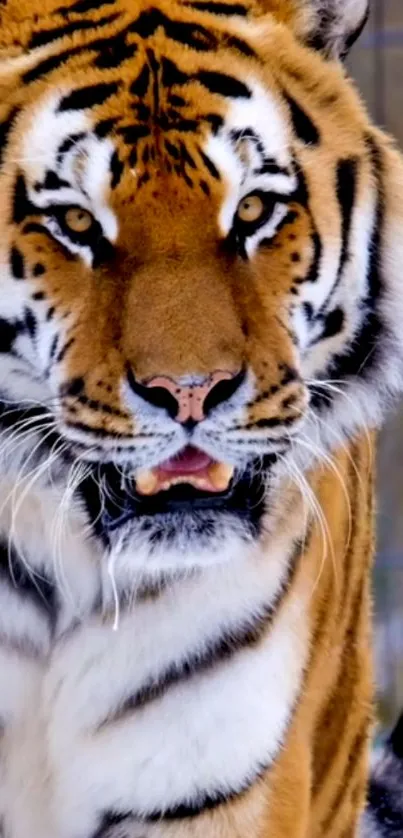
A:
{"x":174,"y":299}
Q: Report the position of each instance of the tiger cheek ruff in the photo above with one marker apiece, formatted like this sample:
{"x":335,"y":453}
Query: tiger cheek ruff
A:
{"x":200,"y":331}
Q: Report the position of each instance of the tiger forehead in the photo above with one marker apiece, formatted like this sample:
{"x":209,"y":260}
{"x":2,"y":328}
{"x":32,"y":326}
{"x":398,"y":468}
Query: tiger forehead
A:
{"x":203,"y":127}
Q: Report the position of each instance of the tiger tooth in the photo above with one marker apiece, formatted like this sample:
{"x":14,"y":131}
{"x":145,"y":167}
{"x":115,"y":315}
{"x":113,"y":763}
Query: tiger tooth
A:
{"x":221,"y":475}
{"x":146,"y":482}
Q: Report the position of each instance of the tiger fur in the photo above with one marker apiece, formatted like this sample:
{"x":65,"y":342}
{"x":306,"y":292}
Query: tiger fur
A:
{"x":201,"y":257}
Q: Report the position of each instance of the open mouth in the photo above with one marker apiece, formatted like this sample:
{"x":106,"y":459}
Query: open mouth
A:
{"x":189,"y":468}
{"x":189,"y":486}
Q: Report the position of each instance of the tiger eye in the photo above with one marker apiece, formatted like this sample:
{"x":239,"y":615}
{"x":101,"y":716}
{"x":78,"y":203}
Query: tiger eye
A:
{"x":78,"y":220}
{"x":250,"y":209}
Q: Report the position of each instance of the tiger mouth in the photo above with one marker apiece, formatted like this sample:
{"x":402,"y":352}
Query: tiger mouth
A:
{"x":191,"y":468}
{"x":191,"y":486}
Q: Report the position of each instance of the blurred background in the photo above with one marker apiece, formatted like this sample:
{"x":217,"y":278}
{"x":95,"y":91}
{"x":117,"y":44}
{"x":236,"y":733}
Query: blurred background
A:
{"x":377,"y":65}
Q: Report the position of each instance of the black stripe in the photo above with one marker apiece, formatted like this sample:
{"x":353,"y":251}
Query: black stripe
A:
{"x":8,"y":333}
{"x":270,"y":167}
{"x":346,"y":183}
{"x":207,"y":802}
{"x":30,"y":322}
{"x":87,"y":97}
{"x":83,"y":6}
{"x":53,"y":181}
{"x":5,"y":128}
{"x":104,"y":127}
{"x":223,"y":84}
{"x":116,"y":170}
{"x":99,"y":433}
{"x":46,"y":66}
{"x":53,"y":346}
{"x":17,"y":263}
{"x":46,"y":36}
{"x":64,"y":350}
{"x":332,"y":324}
{"x":304,"y":127}
{"x":186,"y":156}
{"x":183,"y":811}
{"x":35,"y":227}
{"x":221,"y":649}
{"x":218,"y":8}
{"x":172,"y":75}
{"x":236,"y":43}
{"x":34,"y":587}
{"x":108,"y":821}
{"x":140,"y":85}
{"x":193,"y":35}
{"x":210,"y":166}
{"x":68,"y":143}
{"x":363,"y":354}
{"x":314,"y":269}
{"x":112,"y":52}
{"x":22,"y":206}
{"x":132,"y":133}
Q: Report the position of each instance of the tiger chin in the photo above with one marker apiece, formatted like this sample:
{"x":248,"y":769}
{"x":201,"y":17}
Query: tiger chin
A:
{"x":200,"y":332}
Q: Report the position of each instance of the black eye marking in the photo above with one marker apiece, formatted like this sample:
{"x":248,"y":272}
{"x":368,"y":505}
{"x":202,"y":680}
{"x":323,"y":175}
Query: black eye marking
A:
{"x":53,"y":181}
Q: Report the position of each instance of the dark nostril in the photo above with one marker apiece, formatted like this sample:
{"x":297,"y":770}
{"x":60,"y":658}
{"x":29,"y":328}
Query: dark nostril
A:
{"x":222,"y":391}
{"x":157,"y":396}
{"x":188,"y":404}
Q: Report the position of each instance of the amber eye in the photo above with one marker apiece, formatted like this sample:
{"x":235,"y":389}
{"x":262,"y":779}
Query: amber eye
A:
{"x":78,"y":220}
{"x":250,"y":209}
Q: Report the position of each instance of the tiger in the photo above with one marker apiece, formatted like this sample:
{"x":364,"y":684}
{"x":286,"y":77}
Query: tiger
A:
{"x":201,"y":313}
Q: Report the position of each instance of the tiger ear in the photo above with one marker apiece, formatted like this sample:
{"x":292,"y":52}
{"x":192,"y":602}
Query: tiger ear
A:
{"x":330,"y":26}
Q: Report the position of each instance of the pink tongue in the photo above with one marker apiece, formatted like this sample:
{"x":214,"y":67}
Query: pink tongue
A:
{"x":188,"y":461}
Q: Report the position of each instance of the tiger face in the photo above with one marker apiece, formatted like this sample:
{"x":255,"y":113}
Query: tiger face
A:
{"x":193,"y":283}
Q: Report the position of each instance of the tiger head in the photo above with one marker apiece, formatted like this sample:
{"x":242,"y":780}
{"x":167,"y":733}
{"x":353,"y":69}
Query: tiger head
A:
{"x":200,"y":258}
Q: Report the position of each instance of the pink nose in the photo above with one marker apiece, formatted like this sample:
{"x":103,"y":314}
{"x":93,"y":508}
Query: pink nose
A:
{"x":191,"y":400}
{"x":184,"y":403}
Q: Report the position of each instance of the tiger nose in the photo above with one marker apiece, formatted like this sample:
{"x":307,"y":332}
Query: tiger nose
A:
{"x":189,"y":404}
